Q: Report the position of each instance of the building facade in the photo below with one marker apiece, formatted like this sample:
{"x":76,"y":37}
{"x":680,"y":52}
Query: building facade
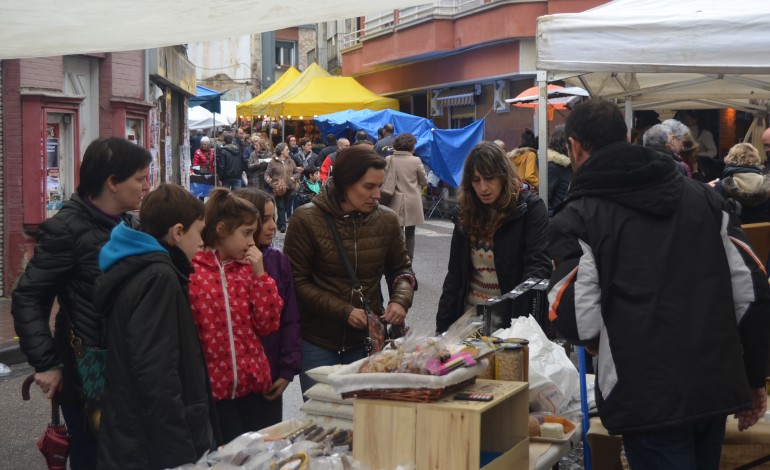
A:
{"x":51,"y":110}
{"x":454,"y":61}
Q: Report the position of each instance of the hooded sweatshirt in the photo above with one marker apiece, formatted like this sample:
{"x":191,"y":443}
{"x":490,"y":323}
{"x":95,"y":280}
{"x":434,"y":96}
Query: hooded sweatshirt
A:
{"x":650,"y":264}
{"x":749,"y":187}
{"x":524,"y":161}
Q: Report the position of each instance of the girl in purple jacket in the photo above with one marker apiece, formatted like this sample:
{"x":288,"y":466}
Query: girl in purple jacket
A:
{"x":282,"y":348}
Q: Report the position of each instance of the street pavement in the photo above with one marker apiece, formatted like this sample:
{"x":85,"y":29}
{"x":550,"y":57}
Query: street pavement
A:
{"x":22,"y":423}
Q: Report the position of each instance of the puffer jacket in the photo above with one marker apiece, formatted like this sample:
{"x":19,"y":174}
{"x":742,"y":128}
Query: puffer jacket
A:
{"x":748,"y":186}
{"x":157,"y":406}
{"x":65,"y":265}
{"x":559,"y":178}
{"x":232,"y":308}
{"x":524,"y":161}
{"x":230,"y":162}
{"x":375,"y":247}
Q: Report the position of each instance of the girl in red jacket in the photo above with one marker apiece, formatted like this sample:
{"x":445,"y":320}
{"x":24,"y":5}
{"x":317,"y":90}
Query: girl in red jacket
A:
{"x":234,"y":302}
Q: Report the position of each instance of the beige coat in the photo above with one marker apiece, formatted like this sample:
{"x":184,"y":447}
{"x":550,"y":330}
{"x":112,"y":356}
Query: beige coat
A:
{"x":410,"y":179}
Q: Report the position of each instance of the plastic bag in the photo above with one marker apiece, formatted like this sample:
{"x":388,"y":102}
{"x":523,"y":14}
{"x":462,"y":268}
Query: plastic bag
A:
{"x":553,"y":379}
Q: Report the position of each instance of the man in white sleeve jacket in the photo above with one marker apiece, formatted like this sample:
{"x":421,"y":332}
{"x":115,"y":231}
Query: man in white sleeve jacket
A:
{"x":654,"y":275}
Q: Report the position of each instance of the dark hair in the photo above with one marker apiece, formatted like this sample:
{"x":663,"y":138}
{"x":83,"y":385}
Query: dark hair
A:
{"x":595,"y":124}
{"x":388,"y":129}
{"x":310,"y":170}
{"x":303,"y":141}
{"x":331,"y":140}
{"x":558,"y":140}
{"x":289,"y":137}
{"x":528,"y":139}
{"x":317,"y":140}
{"x":405,"y":142}
{"x":228,"y":138}
{"x":279,"y":148}
{"x":362,"y":136}
{"x":351,"y":165}
{"x":259,"y":199}
{"x":380,"y":133}
{"x":113,"y":158}
{"x":169,"y":204}
{"x":222,"y":206}
{"x":477,"y":219}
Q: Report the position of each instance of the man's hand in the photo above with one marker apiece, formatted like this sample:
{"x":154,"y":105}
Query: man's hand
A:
{"x":357,"y":319}
{"x":276,"y":390}
{"x":254,"y":256}
{"x":592,"y":347}
{"x":748,"y":418}
{"x":50,"y":382}
{"x":394,"y":314}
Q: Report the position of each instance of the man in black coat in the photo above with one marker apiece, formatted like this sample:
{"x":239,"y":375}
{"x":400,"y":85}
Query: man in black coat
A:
{"x":653,"y":273}
{"x":230,"y":164}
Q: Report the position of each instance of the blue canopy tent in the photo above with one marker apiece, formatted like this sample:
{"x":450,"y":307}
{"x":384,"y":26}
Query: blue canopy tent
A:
{"x":206,"y":98}
{"x":443,"y":150}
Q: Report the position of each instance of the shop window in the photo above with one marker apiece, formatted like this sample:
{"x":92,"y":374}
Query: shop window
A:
{"x":285,"y":53}
{"x":135,"y":131}
{"x":461,"y":116}
{"x":60,"y":161}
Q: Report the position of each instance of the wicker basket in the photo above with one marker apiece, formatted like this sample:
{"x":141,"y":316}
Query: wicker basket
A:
{"x":420,"y":395}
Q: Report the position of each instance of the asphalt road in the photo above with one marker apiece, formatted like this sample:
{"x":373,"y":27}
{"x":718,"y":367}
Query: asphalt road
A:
{"x":23,"y":422}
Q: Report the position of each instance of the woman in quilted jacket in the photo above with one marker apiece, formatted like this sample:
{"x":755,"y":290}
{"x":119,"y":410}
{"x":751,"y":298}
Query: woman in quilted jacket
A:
{"x":234,"y":302}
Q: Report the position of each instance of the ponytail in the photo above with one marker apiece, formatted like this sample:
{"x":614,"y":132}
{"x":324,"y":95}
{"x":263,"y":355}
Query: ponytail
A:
{"x":223,"y":206}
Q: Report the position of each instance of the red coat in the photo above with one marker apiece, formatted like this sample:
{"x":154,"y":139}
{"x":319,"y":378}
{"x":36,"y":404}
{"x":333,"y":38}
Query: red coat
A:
{"x":230,"y":336}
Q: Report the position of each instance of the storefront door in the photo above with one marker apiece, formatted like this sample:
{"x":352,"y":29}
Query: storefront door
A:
{"x":61,"y":163}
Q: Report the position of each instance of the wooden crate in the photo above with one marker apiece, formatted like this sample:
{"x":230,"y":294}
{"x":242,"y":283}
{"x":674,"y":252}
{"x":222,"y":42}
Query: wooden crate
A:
{"x":448,"y":434}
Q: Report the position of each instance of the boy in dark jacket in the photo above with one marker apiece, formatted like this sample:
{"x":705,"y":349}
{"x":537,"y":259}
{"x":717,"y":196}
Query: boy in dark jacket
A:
{"x":157,"y":405}
{"x":653,"y":273}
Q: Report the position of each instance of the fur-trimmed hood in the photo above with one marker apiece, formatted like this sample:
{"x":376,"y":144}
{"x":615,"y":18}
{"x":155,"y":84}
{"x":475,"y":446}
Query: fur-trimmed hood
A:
{"x":748,"y":188}
{"x":558,"y":158}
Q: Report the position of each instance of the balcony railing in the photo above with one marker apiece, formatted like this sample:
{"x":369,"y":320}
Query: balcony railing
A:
{"x":379,"y":22}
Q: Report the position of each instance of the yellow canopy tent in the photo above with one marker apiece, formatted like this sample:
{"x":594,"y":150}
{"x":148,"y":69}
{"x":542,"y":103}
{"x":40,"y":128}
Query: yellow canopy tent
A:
{"x":244,"y":109}
{"x":313,"y":71}
{"x":329,"y":95}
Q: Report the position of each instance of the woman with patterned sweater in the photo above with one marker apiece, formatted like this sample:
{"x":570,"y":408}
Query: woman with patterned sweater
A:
{"x":500,"y":235}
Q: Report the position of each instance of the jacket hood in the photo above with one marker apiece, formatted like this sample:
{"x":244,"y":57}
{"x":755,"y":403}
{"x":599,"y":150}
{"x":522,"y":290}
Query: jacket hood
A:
{"x":746,"y":185}
{"x":558,"y":158}
{"x":635,"y":177}
{"x":520,"y":152}
{"x":125,"y":242}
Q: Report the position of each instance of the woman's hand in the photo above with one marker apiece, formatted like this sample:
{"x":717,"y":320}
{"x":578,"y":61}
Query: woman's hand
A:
{"x":254,"y":256}
{"x":357,"y":319}
{"x":276,"y":390}
{"x":395,"y":314}
{"x":49,"y":382}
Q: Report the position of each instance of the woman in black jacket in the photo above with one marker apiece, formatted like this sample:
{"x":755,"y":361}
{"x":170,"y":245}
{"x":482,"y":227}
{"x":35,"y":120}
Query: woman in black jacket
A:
{"x":500,"y":236}
{"x":157,"y":403}
{"x":113,"y":180}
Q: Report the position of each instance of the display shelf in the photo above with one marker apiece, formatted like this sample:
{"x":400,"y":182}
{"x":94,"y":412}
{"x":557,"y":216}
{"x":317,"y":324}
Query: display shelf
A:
{"x":447,"y":434}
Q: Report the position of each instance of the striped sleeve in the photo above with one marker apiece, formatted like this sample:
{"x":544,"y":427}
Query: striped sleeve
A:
{"x":751,"y":297}
{"x":574,"y":293}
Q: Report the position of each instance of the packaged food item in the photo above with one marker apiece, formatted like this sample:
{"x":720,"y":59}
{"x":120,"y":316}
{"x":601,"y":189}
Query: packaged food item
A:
{"x":552,"y":430}
{"x":509,"y":362}
{"x":525,"y":349}
{"x":567,"y":424}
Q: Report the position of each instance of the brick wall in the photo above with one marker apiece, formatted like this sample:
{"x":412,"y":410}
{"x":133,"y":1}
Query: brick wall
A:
{"x":105,"y":94}
{"x":306,"y":43}
{"x":15,"y":250}
{"x":42,"y":72}
{"x":128,"y":74}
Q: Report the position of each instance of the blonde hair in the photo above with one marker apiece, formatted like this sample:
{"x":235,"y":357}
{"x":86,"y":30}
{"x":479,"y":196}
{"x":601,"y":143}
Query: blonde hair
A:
{"x":743,"y":154}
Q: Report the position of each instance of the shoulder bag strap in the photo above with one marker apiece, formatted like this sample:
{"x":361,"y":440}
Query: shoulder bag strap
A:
{"x":343,"y":254}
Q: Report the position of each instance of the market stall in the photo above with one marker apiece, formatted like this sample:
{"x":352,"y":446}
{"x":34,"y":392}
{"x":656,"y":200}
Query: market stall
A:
{"x":658,"y":54}
{"x":245,"y":109}
{"x":324,"y":95}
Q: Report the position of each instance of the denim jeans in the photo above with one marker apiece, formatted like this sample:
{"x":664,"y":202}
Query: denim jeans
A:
{"x":83,"y":442}
{"x":232,"y":184}
{"x":694,"y":446}
{"x":283,"y":206}
{"x":315,"y":356}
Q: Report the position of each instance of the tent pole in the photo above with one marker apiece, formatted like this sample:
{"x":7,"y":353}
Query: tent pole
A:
{"x":629,"y":116}
{"x":542,"y":133}
{"x":283,"y":130}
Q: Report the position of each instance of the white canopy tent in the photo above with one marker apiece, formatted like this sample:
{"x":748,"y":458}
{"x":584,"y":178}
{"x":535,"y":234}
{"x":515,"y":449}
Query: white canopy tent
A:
{"x":40,"y":28}
{"x":649,"y":54}
{"x":199,"y":117}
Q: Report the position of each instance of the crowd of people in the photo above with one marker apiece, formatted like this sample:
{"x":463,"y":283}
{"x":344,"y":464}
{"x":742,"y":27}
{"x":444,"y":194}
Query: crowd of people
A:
{"x":206,"y":323}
